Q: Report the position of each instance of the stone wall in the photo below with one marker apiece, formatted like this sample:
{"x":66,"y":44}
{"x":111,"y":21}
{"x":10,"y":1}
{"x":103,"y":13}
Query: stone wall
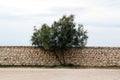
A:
{"x":89,"y":56}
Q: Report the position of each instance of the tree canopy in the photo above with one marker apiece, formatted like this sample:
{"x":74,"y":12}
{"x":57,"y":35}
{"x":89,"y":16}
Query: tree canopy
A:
{"x":60,"y":36}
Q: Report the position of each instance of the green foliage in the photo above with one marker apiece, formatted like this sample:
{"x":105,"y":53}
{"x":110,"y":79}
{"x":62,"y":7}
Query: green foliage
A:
{"x":60,"y":36}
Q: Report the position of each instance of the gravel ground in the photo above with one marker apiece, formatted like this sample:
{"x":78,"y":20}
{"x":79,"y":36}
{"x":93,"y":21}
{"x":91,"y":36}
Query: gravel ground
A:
{"x":58,"y":74}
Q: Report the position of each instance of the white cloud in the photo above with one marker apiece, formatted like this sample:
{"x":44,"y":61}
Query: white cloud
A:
{"x":22,"y":7}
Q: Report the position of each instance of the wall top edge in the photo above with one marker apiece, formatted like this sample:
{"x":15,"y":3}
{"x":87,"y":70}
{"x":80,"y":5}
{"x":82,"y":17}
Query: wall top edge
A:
{"x":16,"y":46}
{"x":73,"y":47}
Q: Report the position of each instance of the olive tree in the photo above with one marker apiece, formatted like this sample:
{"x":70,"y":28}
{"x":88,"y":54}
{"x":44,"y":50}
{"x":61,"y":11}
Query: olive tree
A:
{"x":60,"y":36}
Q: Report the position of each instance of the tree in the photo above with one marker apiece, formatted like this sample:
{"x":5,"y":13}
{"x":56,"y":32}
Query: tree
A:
{"x":62,"y":35}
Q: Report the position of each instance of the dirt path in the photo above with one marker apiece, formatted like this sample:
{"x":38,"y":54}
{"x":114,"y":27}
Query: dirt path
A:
{"x":58,"y":74}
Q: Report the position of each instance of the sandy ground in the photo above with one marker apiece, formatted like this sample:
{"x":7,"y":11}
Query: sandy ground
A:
{"x":58,"y":74}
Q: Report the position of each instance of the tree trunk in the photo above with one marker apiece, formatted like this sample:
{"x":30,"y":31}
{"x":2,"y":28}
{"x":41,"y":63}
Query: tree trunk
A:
{"x":57,"y":57}
{"x":63,"y":56}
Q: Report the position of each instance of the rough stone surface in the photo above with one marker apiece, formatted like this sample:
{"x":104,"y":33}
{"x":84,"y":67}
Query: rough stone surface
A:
{"x":89,"y":56}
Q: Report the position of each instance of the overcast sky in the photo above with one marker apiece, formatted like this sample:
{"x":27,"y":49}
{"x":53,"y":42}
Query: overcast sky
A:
{"x":101,"y":18}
